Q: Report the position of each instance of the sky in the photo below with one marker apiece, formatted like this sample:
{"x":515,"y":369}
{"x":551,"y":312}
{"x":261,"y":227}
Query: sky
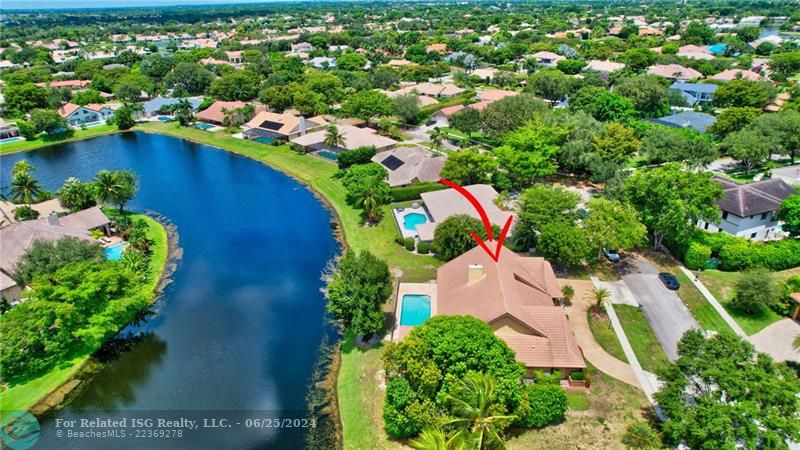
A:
{"x":51,"y":4}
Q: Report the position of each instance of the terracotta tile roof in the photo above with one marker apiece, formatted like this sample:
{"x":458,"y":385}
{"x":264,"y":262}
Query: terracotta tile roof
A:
{"x":493,"y":95}
{"x":516,"y":288}
{"x":214,"y":112}
{"x":674,"y":71}
{"x":732,"y":74}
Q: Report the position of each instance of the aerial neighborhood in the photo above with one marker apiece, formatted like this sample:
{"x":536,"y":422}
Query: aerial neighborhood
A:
{"x":528,"y":225}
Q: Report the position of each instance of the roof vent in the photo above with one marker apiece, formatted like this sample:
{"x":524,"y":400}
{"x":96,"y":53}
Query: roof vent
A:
{"x":474,"y":273}
{"x":52,"y":220}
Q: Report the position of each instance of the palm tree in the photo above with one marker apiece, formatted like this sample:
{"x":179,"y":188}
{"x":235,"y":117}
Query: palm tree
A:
{"x":115,"y":187}
{"x":435,"y":439}
{"x":24,"y":188}
{"x":599,"y":296}
{"x":471,"y":404}
{"x":438,"y":136}
{"x":370,"y":200}
{"x":333,"y":138}
{"x":22,"y":167}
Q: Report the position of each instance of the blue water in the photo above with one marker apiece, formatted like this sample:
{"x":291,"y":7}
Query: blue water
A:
{"x":718,"y":48}
{"x":411,"y":220}
{"x":11,"y":139}
{"x":265,"y":140}
{"x":415,"y":309}
{"x":204,"y":126}
{"x":328,"y":155}
{"x":114,"y":252}
{"x":240,"y":326}
{"x":164,"y":118}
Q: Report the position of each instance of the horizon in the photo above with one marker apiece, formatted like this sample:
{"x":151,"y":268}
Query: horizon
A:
{"x":22,"y":5}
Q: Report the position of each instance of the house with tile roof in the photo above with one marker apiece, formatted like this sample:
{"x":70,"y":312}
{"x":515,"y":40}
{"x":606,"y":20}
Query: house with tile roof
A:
{"x":749,"y":210}
{"x":409,"y":165}
{"x":282,"y":126}
{"x":547,"y":59}
{"x":517,"y":296}
{"x":733,"y":74}
{"x":77,"y":115}
{"x":674,"y":72}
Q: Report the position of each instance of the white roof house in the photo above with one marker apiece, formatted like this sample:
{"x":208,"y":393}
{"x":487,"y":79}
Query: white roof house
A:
{"x":449,"y":202}
{"x":354,"y":138}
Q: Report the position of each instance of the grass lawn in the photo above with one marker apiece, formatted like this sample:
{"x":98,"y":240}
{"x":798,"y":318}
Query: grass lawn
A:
{"x":24,"y":395}
{"x":594,"y":420}
{"x":703,"y":312}
{"x":721,"y":284}
{"x":605,"y":336}
{"x":645,"y":345}
{"x":45,"y":140}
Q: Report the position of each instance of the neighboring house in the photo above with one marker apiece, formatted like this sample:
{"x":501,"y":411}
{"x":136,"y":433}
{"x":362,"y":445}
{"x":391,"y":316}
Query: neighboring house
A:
{"x":493,"y":95}
{"x":674,"y":72}
{"x":695,"y":52}
{"x":749,"y":210}
{"x":68,"y":84}
{"x":695,"y":92}
{"x":18,"y":237}
{"x":438,"y":48}
{"x":354,"y":138}
{"x":151,"y":107}
{"x":322,"y":63}
{"x":302,"y":47}
{"x":8,"y":130}
{"x":445,"y":90}
{"x":398,"y":63}
{"x":688,"y":119}
{"x":235,"y":57}
{"x":517,"y":296}
{"x":77,"y":115}
{"x":280,"y":126}
{"x":10,"y":291}
{"x":445,"y":203}
{"x":486,"y":74}
{"x":773,"y":39}
{"x":777,"y":104}
{"x":408,"y":165}
{"x":603,"y":66}
{"x":547,"y":59}
{"x":733,"y":74}
{"x":216,"y":112}
{"x":442,"y":116}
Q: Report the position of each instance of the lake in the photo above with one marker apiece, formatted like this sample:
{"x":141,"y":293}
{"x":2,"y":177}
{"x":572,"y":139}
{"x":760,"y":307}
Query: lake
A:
{"x":237,"y":333}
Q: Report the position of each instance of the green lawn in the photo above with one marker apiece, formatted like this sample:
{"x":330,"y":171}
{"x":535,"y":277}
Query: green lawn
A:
{"x":721,"y":284}
{"x":701,"y":309}
{"x":577,"y":400}
{"x":24,"y":395}
{"x":645,"y":345}
{"x":45,"y":140}
{"x":605,"y":336}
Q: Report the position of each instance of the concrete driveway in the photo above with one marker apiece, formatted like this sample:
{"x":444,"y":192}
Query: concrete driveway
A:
{"x":668,"y":316}
{"x":777,"y":340}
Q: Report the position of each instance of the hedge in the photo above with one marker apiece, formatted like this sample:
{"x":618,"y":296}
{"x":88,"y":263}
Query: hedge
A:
{"x":736,"y":253}
{"x":424,"y":247}
{"x":410,"y":244}
{"x":412,"y":192}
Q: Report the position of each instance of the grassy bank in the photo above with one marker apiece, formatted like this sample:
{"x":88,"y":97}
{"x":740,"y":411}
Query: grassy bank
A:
{"x":604,"y":335}
{"x":643,"y":341}
{"x":45,"y":140}
{"x":703,"y":312}
{"x":24,"y":395}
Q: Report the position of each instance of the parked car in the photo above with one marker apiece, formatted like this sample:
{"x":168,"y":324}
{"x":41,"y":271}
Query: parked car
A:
{"x":669,"y":281}
{"x":611,"y":254}
{"x":430,"y":123}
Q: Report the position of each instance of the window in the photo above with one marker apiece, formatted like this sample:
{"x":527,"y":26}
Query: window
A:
{"x":753,"y":236}
{"x":725,"y":215}
{"x":764,"y":216}
{"x":706,"y":227}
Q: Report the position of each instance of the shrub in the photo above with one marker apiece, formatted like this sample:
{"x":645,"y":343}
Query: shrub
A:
{"x":452,"y":236}
{"x":25,"y":212}
{"x":696,"y":255}
{"x":404,"y":413}
{"x":577,"y":375}
{"x":424,"y":247}
{"x":568,"y":292}
{"x":410,"y":244}
{"x":27,"y":130}
{"x":45,"y":257}
{"x":641,"y":436}
{"x":360,"y":155}
{"x":413,"y":192}
{"x":755,"y":290}
{"x":546,"y":403}
{"x":400,"y":241}
{"x":785,"y":305}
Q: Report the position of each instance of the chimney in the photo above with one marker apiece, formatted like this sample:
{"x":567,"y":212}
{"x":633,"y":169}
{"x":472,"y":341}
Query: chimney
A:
{"x":52,"y":220}
{"x":302,"y":125}
{"x":474,"y":273}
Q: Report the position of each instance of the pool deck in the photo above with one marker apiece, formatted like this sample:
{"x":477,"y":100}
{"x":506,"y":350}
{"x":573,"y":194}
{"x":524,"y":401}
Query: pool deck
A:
{"x":401,"y":331}
{"x":400,"y":213}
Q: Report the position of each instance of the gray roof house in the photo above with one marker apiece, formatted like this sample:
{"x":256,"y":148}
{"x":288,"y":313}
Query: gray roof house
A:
{"x":407,"y":165}
{"x":695,"y":93}
{"x":749,"y":210}
{"x":448,"y":202}
{"x":688,"y":119}
{"x":151,"y":107}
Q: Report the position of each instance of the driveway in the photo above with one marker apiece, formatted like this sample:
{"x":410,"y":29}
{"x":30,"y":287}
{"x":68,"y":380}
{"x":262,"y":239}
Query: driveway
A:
{"x":777,"y":340}
{"x":668,"y":316}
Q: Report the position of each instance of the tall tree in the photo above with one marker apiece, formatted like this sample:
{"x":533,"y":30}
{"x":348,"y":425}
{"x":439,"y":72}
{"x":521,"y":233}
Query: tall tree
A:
{"x":612,"y":225}
{"x":368,"y":105}
{"x":789,"y":213}
{"x":670,"y":200}
{"x":333,"y":138}
{"x":540,"y":205}
{"x":115,"y":187}
{"x":550,"y":84}
{"x":468,"y":167}
{"x":471,"y":402}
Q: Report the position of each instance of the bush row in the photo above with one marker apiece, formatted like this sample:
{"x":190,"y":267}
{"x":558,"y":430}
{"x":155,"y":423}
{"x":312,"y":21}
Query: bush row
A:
{"x":736,"y":253}
{"x":413,"y":192}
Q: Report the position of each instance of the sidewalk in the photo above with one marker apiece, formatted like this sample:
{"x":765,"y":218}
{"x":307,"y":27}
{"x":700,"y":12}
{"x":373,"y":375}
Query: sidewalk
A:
{"x":647,"y":380}
{"x":719,"y":308}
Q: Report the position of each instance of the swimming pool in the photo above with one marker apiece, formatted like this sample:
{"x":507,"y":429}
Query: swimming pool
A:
{"x":12,"y":139}
{"x":164,"y":118}
{"x":265,"y":140}
{"x":411,"y":220}
{"x":718,"y":48}
{"x":114,"y":252}
{"x":93,"y":124}
{"x":415,"y":309}
{"x":328,"y":155}
{"x":203,"y":126}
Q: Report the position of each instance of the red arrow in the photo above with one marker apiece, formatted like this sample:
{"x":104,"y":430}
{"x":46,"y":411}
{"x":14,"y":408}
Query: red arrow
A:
{"x":486,"y":223}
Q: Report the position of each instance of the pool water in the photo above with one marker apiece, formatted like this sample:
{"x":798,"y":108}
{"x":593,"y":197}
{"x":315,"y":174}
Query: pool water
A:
{"x":718,"y":48}
{"x":328,"y":155}
{"x":12,"y":139}
{"x":93,"y":124}
{"x":411,"y":220}
{"x":164,"y":118}
{"x":114,"y":252}
{"x":204,"y":126}
{"x":265,"y":140}
{"x":415,"y":309}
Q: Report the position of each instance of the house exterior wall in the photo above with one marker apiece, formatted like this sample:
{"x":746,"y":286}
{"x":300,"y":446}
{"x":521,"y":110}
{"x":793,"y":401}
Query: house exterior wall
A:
{"x":11,"y":295}
{"x":507,"y":325}
{"x":83,"y":115}
{"x":757,"y":227}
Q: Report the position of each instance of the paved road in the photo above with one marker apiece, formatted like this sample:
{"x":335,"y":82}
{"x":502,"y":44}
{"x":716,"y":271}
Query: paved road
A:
{"x":668,"y":316}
